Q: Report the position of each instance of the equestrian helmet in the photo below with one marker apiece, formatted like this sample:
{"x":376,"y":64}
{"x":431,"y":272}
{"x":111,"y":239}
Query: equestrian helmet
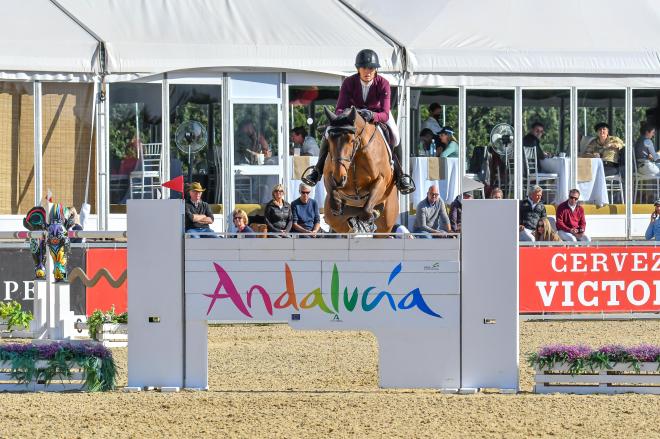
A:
{"x":367,"y":58}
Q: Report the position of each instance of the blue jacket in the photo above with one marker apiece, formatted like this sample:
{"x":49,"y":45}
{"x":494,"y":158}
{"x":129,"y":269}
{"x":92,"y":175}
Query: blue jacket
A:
{"x":653,"y":231}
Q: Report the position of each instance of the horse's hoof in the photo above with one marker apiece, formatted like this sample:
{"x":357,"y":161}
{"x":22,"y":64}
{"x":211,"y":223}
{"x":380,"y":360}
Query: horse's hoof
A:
{"x":367,"y":217}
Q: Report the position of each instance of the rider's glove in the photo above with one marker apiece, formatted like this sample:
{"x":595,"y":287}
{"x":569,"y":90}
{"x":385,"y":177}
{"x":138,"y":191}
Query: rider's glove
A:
{"x":367,"y":115}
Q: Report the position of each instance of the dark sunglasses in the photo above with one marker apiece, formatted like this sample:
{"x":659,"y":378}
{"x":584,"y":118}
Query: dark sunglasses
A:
{"x":304,"y":192}
{"x":574,"y":198}
{"x":540,"y":226}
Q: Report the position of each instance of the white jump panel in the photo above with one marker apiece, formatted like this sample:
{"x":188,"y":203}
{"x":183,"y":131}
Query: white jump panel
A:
{"x":490,"y":294}
{"x":155,"y":299}
{"x":411,"y":306}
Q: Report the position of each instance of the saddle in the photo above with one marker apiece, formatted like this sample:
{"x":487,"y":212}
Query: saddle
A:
{"x":388,"y":135}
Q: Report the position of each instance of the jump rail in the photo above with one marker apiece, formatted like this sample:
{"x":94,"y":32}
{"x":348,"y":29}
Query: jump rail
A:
{"x":24,"y":234}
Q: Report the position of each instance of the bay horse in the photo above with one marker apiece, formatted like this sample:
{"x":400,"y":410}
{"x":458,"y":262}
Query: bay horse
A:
{"x":358,"y":176}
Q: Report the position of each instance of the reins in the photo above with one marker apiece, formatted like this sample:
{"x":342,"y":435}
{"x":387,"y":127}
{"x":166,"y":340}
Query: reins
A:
{"x":357,"y":145}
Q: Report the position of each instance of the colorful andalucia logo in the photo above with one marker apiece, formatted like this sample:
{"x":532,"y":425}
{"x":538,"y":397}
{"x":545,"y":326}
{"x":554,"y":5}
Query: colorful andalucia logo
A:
{"x":367,"y":298}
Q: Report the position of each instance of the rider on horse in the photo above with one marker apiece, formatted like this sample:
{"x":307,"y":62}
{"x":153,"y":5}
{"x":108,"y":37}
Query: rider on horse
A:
{"x":370,"y":93}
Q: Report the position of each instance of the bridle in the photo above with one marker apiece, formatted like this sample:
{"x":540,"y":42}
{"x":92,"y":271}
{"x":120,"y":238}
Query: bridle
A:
{"x":346,"y":162}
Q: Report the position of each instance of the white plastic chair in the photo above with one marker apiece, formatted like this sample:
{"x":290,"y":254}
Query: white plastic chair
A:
{"x":147,"y":177}
{"x":645,"y":183}
{"x":546,"y":180}
{"x":614,"y":183}
{"x":509,"y":158}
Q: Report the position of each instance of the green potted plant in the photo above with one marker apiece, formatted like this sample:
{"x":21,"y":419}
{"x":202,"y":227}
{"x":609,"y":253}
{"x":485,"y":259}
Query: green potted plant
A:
{"x":57,"y":366}
{"x":108,"y":327}
{"x":13,"y":316}
{"x":608,"y":369}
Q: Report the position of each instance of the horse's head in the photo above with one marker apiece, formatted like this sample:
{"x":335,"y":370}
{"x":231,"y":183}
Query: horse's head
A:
{"x":342,"y":144}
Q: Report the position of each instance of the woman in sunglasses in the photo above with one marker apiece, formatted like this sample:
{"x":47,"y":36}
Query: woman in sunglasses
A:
{"x":278,"y":214}
{"x":544,"y":231}
{"x":448,"y":143}
{"x":240,"y":219}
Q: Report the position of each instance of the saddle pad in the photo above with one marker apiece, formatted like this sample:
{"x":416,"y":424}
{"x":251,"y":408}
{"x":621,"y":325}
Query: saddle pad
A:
{"x":300,"y":163}
{"x":584,"y":170}
{"x":437,"y":168}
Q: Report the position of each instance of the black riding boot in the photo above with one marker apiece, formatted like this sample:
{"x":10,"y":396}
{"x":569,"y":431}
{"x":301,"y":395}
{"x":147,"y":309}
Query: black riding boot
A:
{"x":313,"y":174}
{"x":404,"y":183}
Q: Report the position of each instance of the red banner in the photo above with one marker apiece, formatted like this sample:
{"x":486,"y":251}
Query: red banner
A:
{"x":106,"y":279}
{"x":589,"y":279}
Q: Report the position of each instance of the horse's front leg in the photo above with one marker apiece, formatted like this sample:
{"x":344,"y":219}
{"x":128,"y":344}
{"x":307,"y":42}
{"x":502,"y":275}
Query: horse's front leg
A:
{"x":375,"y":197}
{"x":336,"y":203}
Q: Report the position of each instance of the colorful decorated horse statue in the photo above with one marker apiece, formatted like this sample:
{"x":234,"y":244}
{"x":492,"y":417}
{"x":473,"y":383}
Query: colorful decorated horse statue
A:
{"x":57,"y":239}
{"x":358,"y":177}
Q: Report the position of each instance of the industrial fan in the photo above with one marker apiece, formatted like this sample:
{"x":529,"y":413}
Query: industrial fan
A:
{"x":190,"y":137}
{"x":501,"y":136}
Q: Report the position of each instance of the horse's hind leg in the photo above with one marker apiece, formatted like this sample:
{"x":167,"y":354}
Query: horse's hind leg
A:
{"x":390,"y":214}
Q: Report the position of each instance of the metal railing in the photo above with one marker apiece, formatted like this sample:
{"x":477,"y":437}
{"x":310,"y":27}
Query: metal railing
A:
{"x":592,"y":243}
{"x":324,"y":235}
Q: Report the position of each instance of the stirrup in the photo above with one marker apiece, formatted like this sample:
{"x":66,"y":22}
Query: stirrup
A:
{"x":405,"y":184}
{"x":310,"y":178}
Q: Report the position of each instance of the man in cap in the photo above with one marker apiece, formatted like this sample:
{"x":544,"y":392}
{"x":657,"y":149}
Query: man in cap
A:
{"x":606,"y":147}
{"x":653,"y":230}
{"x":198,"y":213}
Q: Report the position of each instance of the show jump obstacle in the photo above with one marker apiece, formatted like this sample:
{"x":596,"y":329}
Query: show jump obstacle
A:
{"x":444,"y":311}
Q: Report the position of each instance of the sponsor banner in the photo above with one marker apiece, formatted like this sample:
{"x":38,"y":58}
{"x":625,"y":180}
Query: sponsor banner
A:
{"x":233,"y":291}
{"x":106,"y":279}
{"x":589,"y":279}
{"x":17,"y":278}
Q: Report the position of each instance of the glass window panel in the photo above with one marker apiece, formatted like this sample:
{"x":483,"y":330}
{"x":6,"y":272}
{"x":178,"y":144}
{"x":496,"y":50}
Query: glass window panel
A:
{"x":546,"y":125}
{"x":201,"y":104}
{"x":67,"y":143}
{"x":489,"y":143}
{"x":135,"y":119}
{"x":431,"y":108}
{"x":552,"y":109}
{"x":254,"y":189}
{"x":16,"y":147}
{"x":595,"y":107}
{"x":306,"y":111}
{"x":646,"y":116}
{"x":255,"y":134}
{"x":394,"y":102}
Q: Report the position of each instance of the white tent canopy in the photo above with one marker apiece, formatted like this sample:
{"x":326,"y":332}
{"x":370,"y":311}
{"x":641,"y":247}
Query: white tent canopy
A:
{"x":491,"y":39}
{"x":37,"y":36}
{"x":154,"y":36}
{"x":605,"y":37}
